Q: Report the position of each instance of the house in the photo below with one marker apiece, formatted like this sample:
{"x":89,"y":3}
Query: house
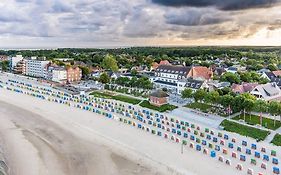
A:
{"x":272,"y":77}
{"x":215,"y":85}
{"x":277,"y":73}
{"x":193,"y":84}
{"x":236,"y":68}
{"x":232,"y":69}
{"x":219,"y":71}
{"x":261,"y":71}
{"x":73,"y":74}
{"x":158,"y":98}
{"x":162,"y":62}
{"x":200,"y":72}
{"x":113,"y":75}
{"x":243,"y":88}
{"x":59,"y":74}
{"x":3,"y":58}
{"x":267,"y":92}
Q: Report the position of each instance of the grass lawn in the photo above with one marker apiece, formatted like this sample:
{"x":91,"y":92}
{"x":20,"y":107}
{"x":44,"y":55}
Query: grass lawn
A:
{"x":254,"y":119}
{"x":206,"y":108}
{"x":201,"y":106}
{"x":127,"y":99}
{"x":255,"y":133}
{"x":101,"y":95}
{"x":163,"y":108}
{"x":116,"y":97}
{"x":277,"y":140}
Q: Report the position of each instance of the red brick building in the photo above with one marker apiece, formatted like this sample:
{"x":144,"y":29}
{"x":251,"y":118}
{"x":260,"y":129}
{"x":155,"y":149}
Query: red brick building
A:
{"x":73,"y":74}
{"x":158,"y":98}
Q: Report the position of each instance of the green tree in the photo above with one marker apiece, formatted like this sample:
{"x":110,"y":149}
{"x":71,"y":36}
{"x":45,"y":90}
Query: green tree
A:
{"x":248,"y":105}
{"x":104,"y":78}
{"x":273,"y":109}
{"x":226,"y":100}
{"x":110,"y":63}
{"x":85,"y":71}
{"x":230,"y":77}
{"x":272,"y":67}
{"x":261,"y":107}
{"x":186,"y":93}
{"x":199,"y":95}
{"x":212,"y":97}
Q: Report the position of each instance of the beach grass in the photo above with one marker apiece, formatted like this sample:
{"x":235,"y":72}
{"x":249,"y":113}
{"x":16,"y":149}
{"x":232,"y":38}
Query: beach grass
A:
{"x":254,"y":120}
{"x":276,"y":140}
{"x":255,"y":133}
{"x":163,"y":108}
{"x":116,"y":97}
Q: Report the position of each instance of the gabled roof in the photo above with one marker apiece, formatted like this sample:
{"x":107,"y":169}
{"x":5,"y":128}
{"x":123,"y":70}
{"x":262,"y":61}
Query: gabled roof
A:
{"x":244,"y":87}
{"x":277,"y":73}
{"x":268,"y":91}
{"x":201,"y":72}
{"x":164,"y":62}
{"x":270,"y":75}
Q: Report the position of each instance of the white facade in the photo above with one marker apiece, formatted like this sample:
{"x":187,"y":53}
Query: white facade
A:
{"x":267,"y":92}
{"x":59,"y":75}
{"x":15,"y":60}
{"x":36,"y":68}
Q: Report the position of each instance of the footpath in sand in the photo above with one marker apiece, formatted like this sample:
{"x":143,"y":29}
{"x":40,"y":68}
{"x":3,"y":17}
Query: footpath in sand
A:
{"x":41,"y":137}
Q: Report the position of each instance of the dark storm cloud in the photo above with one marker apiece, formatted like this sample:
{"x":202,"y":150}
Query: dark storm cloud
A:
{"x":195,"y":17}
{"x":220,"y":4}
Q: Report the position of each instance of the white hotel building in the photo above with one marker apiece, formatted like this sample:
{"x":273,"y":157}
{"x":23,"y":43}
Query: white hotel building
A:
{"x":36,"y":67}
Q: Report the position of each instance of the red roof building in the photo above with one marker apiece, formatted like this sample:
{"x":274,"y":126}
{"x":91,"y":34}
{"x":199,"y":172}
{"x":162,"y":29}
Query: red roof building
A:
{"x":243,"y":88}
{"x":73,"y":74}
{"x":200,"y":72}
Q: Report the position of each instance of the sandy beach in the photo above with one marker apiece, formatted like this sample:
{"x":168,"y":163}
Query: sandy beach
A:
{"x":41,"y":137}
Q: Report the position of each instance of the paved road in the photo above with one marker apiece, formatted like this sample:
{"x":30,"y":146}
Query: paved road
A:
{"x":209,"y":121}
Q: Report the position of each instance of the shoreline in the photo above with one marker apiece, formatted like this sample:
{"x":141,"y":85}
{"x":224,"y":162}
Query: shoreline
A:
{"x":121,"y":138}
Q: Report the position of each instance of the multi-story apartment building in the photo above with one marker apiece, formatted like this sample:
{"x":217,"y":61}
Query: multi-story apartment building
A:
{"x":167,"y":76}
{"x":73,"y":74}
{"x":36,"y":67}
{"x":14,"y":61}
{"x":176,"y":78}
{"x":20,"y":68}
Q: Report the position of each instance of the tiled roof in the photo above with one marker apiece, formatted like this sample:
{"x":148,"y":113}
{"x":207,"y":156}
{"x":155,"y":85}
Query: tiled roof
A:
{"x":201,"y":72}
{"x":277,"y":73}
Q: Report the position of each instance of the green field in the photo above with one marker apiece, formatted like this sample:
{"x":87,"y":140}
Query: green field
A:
{"x":254,"y":120}
{"x":277,"y":140}
{"x":255,"y":133}
{"x":116,"y":97}
{"x":163,"y":108}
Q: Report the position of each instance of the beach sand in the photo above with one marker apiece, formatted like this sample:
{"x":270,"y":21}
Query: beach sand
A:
{"x":44,"y":138}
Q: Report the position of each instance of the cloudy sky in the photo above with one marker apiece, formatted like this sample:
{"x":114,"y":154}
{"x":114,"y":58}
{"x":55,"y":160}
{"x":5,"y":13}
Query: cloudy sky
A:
{"x":105,"y":23}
